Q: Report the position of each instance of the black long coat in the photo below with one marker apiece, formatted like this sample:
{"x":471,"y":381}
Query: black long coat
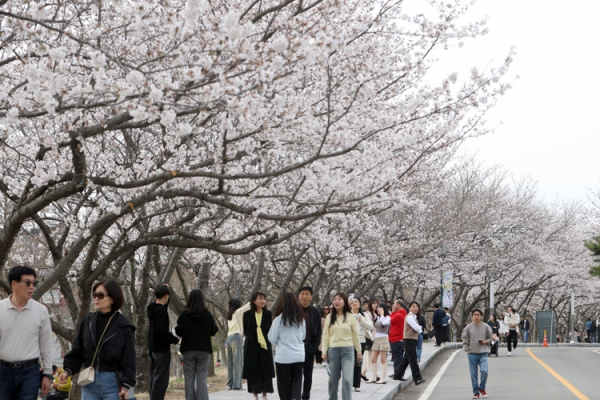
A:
{"x":254,"y":355}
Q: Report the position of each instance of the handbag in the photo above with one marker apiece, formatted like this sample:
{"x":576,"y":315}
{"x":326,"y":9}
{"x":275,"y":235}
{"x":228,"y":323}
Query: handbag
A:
{"x":368,"y":344}
{"x":87,"y":376}
{"x":431,"y":333}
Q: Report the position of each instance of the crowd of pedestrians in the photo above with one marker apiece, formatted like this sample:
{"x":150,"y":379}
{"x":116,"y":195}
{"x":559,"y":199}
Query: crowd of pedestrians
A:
{"x":350,"y":341}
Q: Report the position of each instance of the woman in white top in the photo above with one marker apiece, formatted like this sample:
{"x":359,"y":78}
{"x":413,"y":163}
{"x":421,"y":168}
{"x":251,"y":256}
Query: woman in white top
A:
{"x":235,"y":355}
{"x":371,"y":311}
{"x":381,"y":344}
{"x":503,"y":328}
{"x":364,"y":327}
{"x":287,"y":334}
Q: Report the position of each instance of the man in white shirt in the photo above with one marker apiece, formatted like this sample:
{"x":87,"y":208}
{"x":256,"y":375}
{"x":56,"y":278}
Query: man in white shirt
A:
{"x":25,"y":337}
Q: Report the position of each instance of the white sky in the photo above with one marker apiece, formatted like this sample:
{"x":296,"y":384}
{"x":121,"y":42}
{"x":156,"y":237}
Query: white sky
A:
{"x":547,"y":124}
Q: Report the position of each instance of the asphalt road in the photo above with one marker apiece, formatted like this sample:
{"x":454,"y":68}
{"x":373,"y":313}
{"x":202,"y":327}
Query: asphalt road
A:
{"x":576,"y":376}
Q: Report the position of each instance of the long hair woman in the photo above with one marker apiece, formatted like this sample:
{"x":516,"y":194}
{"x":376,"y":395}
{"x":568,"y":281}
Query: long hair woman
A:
{"x":258,"y":355}
{"x":340,"y":341}
{"x":364,"y":325}
{"x":110,"y":333}
{"x":411,"y":337}
{"x":195,"y":327}
{"x":381,"y":344}
{"x":287,"y":334}
{"x":495,"y":325}
{"x":371,"y":311}
{"x":235,"y":332}
{"x":324,"y":314}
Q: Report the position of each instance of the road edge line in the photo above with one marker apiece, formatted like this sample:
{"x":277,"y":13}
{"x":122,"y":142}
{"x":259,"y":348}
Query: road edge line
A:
{"x":436,"y":379}
{"x":562,"y":380}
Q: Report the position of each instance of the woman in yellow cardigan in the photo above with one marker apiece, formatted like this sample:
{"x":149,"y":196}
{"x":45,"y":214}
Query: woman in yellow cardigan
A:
{"x":340,"y":341}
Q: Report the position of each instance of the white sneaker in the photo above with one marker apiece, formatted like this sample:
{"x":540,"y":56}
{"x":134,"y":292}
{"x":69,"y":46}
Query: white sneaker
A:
{"x":509,"y":354}
{"x":514,"y":352}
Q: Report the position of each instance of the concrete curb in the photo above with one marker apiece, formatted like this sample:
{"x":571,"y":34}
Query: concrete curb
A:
{"x":403,"y":385}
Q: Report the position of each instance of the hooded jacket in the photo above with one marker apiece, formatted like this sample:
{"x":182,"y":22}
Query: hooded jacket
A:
{"x":116,"y":352}
{"x":159,"y":336}
{"x":196,"y":330}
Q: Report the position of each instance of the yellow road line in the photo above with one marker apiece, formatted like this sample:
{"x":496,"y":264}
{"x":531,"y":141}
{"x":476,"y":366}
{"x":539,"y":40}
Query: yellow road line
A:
{"x":562,"y":380}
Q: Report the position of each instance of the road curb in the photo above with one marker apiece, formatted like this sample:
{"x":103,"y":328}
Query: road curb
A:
{"x":422,"y":367}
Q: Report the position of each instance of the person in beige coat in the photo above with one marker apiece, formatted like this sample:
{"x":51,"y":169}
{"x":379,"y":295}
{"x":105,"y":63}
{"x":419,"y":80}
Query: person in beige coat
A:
{"x":512,"y":319}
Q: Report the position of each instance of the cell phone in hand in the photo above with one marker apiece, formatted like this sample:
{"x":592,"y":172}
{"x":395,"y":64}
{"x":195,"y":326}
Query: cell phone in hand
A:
{"x":480,"y":340}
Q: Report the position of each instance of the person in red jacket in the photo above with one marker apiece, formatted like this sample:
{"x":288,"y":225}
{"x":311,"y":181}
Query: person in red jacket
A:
{"x":397,"y":332}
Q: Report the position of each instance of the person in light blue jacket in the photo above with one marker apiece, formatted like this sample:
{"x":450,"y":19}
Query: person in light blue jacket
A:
{"x":287,"y":334}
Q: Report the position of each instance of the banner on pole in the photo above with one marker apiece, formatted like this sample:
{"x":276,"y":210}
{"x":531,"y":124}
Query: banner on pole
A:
{"x":447,"y":299}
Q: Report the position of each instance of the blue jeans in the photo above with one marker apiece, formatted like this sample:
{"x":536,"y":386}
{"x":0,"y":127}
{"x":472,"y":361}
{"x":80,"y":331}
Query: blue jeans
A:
{"x":104,"y":387}
{"x":525,"y":336}
{"x":20,"y":384}
{"x":235,"y":361}
{"x":419,"y":347}
{"x":478,"y":360}
{"x":341,"y":363}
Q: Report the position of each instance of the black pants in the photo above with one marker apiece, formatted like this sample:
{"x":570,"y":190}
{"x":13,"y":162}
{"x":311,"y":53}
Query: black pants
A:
{"x":397,"y":353}
{"x":289,"y":380}
{"x":358,"y":367}
{"x":410,"y":357}
{"x":307,"y":371}
{"x":159,"y":374}
{"x":439,"y":335}
{"x":511,"y":336}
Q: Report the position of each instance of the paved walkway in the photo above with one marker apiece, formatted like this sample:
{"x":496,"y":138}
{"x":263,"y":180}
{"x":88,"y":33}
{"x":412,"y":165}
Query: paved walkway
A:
{"x":367,"y":390}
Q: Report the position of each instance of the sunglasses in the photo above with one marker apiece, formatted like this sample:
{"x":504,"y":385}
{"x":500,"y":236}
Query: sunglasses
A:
{"x":30,"y":283}
{"x":100,"y":295}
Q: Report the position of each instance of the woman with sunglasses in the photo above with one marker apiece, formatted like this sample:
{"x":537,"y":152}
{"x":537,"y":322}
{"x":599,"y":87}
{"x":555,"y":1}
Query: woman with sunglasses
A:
{"x":114,"y":363}
{"x":324,"y":314}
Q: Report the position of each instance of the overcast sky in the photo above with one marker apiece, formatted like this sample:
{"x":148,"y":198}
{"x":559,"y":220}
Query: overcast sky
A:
{"x":547,"y":124}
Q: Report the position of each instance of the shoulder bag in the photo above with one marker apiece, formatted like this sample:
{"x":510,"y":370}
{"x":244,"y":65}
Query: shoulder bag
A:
{"x":87,"y":376}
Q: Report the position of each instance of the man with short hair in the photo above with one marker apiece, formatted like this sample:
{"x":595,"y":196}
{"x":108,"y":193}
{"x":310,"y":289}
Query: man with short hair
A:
{"x":525,"y":327}
{"x":588,"y":329}
{"x":396,"y":333}
{"x":438,"y":324}
{"x":160,"y":339}
{"x":25,"y":337}
{"x":312,"y":318}
{"x":476,"y":339}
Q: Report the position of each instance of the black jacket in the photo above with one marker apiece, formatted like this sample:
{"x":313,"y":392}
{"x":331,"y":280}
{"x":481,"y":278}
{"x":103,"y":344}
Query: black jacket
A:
{"x":438,"y":317}
{"x":159,"y":336}
{"x":117,"y":350}
{"x":313,"y":338}
{"x":196,"y":330}
{"x":255,"y":357}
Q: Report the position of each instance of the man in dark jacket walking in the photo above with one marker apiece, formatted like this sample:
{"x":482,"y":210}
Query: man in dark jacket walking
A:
{"x":312,"y":318}
{"x":160,"y":339}
{"x":438,"y":324}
